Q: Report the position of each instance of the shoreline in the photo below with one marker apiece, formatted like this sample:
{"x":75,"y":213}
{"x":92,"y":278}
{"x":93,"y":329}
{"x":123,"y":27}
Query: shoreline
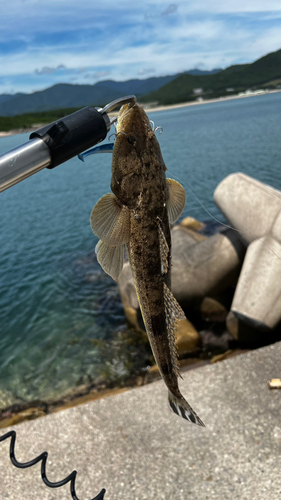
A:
{"x":20,"y":412}
{"x":205,"y":101}
{"x":154,"y":109}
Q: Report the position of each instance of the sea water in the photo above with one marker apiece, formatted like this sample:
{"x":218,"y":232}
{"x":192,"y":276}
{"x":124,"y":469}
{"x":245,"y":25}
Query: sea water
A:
{"x":61,"y":318}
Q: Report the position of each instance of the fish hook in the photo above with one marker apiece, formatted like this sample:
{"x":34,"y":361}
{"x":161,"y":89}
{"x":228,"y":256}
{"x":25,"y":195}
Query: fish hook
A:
{"x":155,"y":129}
{"x":158,"y":128}
{"x":124,"y":133}
{"x":111,"y":135}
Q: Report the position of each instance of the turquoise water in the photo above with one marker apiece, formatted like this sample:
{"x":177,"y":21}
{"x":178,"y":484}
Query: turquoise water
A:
{"x":55,"y":301}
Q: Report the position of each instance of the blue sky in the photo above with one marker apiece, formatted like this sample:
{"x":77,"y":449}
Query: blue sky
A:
{"x":82,"y":42}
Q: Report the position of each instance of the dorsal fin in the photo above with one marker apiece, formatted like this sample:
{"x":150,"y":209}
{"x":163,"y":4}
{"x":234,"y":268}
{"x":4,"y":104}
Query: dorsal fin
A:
{"x":173,"y":313}
{"x":176,"y":200}
{"x":110,"y":258}
{"x":110,"y":221}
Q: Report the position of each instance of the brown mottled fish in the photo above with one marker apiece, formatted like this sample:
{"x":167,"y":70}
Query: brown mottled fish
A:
{"x":138,"y":215}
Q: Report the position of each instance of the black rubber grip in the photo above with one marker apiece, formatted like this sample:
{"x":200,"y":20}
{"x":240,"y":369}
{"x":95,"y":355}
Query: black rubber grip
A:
{"x":73,"y":134}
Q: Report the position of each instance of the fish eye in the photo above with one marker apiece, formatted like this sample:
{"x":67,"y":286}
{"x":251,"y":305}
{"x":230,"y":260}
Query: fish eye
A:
{"x":132,"y":139}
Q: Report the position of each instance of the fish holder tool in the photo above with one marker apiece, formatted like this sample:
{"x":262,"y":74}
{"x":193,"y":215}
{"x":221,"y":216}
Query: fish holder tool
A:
{"x":43,"y":457}
{"x":57,"y":142}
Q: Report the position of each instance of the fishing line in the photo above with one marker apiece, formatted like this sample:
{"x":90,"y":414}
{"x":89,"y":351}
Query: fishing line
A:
{"x":43,"y":457}
{"x":220,"y":222}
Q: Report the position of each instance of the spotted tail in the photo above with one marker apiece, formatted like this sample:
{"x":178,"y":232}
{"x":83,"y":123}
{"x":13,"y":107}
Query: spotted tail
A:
{"x":181,"y":407}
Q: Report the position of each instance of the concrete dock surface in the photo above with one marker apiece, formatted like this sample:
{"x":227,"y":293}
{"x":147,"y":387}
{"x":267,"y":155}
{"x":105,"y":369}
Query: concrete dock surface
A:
{"x":132,"y":445}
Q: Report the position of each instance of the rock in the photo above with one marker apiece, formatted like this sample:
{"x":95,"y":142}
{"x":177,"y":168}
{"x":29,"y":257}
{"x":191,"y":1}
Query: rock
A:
{"x":132,"y":317}
{"x":187,"y":337}
{"x":28,"y":414}
{"x":244,"y":331}
{"x":212,"y":310}
{"x":151,"y":375}
{"x":130,"y":300}
{"x":154,"y":370}
{"x":194,"y":236}
{"x":190,"y":223}
{"x":127,"y":287}
{"x":206,"y":267}
{"x":221,"y":357}
{"x":128,"y":295}
{"x":232,"y":325}
{"x":214,"y":342}
{"x":7,"y":399}
{"x":228,"y":354}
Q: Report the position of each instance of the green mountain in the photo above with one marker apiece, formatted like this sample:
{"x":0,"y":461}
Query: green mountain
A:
{"x":28,"y":120}
{"x":64,"y":95}
{"x":7,"y":97}
{"x":171,"y":89}
{"x":59,"y":96}
{"x":229,"y":81}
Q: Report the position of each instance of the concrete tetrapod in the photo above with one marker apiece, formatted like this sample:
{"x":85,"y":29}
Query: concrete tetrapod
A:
{"x":254,"y":209}
{"x":205,"y":268}
{"x":250,"y":205}
{"x":201,"y":266}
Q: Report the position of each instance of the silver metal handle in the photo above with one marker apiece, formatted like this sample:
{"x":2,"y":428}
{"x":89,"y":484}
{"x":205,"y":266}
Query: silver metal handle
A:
{"x":22,"y":162}
{"x":79,"y":131}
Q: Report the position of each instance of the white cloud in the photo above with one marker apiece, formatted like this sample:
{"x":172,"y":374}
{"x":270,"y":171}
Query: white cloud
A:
{"x":224,"y":6}
{"x":267,"y":42}
{"x":146,"y":71}
{"x":47,"y":70}
{"x":217,"y":6}
{"x":90,"y":43}
{"x":206,"y":5}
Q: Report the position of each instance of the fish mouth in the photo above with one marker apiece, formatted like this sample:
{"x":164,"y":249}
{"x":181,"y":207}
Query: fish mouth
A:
{"x":130,"y":99}
{"x":124,"y":112}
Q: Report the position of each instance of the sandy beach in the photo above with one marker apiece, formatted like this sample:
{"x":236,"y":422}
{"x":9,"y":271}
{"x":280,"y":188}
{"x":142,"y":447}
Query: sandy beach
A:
{"x":205,"y":101}
{"x":156,"y":109}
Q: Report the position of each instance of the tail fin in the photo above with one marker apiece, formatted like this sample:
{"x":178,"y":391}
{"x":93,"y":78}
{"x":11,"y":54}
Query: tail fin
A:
{"x":181,"y":407}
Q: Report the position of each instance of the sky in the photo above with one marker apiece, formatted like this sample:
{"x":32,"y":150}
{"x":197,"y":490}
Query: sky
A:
{"x":85,"y":41}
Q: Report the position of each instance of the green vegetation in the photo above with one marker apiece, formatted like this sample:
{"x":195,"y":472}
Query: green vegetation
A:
{"x":263,"y":73}
{"x":29,"y":120}
{"x":239,"y":78}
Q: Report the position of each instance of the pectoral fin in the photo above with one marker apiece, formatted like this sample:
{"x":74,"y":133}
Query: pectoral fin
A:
{"x":110,"y":258}
{"x":173,"y":313}
{"x":110,"y":221}
{"x":176,"y":200}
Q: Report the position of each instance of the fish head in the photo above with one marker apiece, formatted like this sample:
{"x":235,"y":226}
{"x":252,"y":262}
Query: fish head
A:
{"x":134,"y":123}
{"x":130,"y":148}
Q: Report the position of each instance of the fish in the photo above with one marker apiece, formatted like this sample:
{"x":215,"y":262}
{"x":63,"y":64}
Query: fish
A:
{"x":138,"y":214}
